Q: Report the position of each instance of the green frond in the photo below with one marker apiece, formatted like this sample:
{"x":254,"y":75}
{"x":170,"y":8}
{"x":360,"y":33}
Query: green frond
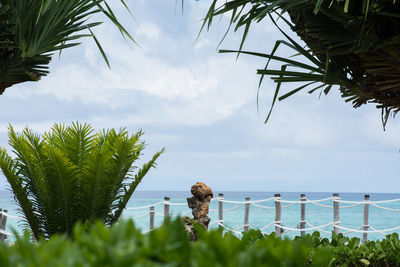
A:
{"x":72,"y":175}
{"x":33,"y":30}
{"x":10,"y":171}
{"x":352,"y":45}
{"x":129,"y":189}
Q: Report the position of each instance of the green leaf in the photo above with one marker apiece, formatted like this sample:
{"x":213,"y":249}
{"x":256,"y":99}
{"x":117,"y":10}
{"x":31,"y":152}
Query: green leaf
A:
{"x":32,"y":31}
{"x":100,"y":48}
{"x":365,"y":262}
{"x":72,"y":175}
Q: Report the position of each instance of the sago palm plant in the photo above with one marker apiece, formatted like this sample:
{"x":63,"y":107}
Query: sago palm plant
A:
{"x":31,"y":31}
{"x":352,"y":44}
{"x":72,"y":174}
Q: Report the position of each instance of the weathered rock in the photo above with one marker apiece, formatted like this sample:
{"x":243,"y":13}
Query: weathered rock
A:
{"x":199,"y":203}
{"x":189,"y":227}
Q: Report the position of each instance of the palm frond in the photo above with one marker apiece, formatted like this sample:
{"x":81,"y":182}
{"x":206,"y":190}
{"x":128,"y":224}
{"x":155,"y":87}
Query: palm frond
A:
{"x":131,"y":187}
{"x":10,"y":171}
{"x":353,"y":45}
{"x":33,"y":30}
{"x":72,"y":175}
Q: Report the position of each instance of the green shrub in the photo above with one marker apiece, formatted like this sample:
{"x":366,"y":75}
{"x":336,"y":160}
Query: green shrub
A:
{"x":72,"y":175}
{"x":168,"y":245}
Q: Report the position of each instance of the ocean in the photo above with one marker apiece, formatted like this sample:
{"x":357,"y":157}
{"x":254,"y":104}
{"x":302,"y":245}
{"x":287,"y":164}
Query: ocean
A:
{"x":233,"y":216}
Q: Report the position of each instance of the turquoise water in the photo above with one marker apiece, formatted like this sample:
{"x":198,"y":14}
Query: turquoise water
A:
{"x":258,"y":218}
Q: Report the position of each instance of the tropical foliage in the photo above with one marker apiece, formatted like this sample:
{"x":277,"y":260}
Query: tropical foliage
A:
{"x":31,"y":31}
{"x":124,"y":245}
{"x":72,"y":174}
{"x":350,"y":44}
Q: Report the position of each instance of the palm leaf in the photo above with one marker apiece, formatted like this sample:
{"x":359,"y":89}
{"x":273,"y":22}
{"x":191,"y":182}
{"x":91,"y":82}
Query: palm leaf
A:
{"x":353,"y":45}
{"x":9,"y":170}
{"x":33,"y":30}
{"x":130,"y":188}
{"x":72,"y":175}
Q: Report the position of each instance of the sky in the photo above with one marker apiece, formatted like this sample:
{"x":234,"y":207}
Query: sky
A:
{"x":201,"y":106}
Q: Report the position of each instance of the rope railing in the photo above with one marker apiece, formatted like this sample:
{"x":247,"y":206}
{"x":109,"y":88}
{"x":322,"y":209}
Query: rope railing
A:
{"x":233,"y":208}
{"x":263,"y":200}
{"x":305,"y":229}
{"x":229,"y":229}
{"x":322,"y":205}
{"x":303,"y":226}
{"x":145,"y":207}
{"x":306,"y":201}
{"x":178,"y":204}
{"x":15,"y":217}
{"x":369,"y":231}
{"x":379,"y":232}
{"x":261,"y":206}
{"x":5,"y":233}
{"x":231,"y":202}
{"x":288,"y":205}
{"x":280,"y":204}
{"x":385,"y":208}
{"x":368,"y":201}
{"x":321,"y":230}
{"x":216,"y":222}
{"x":140,"y":217}
{"x":266,"y":226}
{"x":159,"y":214}
{"x":351,"y":206}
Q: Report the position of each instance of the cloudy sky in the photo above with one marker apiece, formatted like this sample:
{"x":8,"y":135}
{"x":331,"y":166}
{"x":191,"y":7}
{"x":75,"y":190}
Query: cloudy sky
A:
{"x":201,"y":106}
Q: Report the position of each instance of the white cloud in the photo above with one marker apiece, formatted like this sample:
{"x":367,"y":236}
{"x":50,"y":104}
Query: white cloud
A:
{"x":201,"y":106}
{"x":148,"y":30}
{"x":202,"y":91}
{"x":205,"y":43}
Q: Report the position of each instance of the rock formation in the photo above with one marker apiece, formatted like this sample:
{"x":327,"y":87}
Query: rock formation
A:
{"x":199,"y":203}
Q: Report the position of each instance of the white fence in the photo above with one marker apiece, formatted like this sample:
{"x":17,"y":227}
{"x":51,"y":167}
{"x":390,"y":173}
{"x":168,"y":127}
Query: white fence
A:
{"x":336,"y":204}
{"x":277,"y":206}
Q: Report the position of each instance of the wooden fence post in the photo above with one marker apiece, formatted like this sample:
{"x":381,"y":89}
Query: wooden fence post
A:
{"x":303,"y":214}
{"x":220,"y":209}
{"x":152,"y":217}
{"x":246,"y":215}
{"x":366,"y":212}
{"x":3,"y":223}
{"x":278,"y":211}
{"x":166,"y":207}
{"x":336,"y":216}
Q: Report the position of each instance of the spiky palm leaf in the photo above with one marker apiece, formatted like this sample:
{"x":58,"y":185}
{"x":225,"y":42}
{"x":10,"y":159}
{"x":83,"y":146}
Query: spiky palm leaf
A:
{"x":31,"y":31}
{"x":350,"y":44}
{"x":72,"y":174}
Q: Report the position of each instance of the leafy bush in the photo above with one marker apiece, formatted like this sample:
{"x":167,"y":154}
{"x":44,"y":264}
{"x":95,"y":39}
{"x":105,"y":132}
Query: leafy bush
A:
{"x":72,"y":174}
{"x":351,"y":252}
{"x":125,"y":245}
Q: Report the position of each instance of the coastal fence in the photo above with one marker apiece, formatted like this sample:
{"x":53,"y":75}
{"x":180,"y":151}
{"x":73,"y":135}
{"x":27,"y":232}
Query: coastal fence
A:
{"x":277,"y":206}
